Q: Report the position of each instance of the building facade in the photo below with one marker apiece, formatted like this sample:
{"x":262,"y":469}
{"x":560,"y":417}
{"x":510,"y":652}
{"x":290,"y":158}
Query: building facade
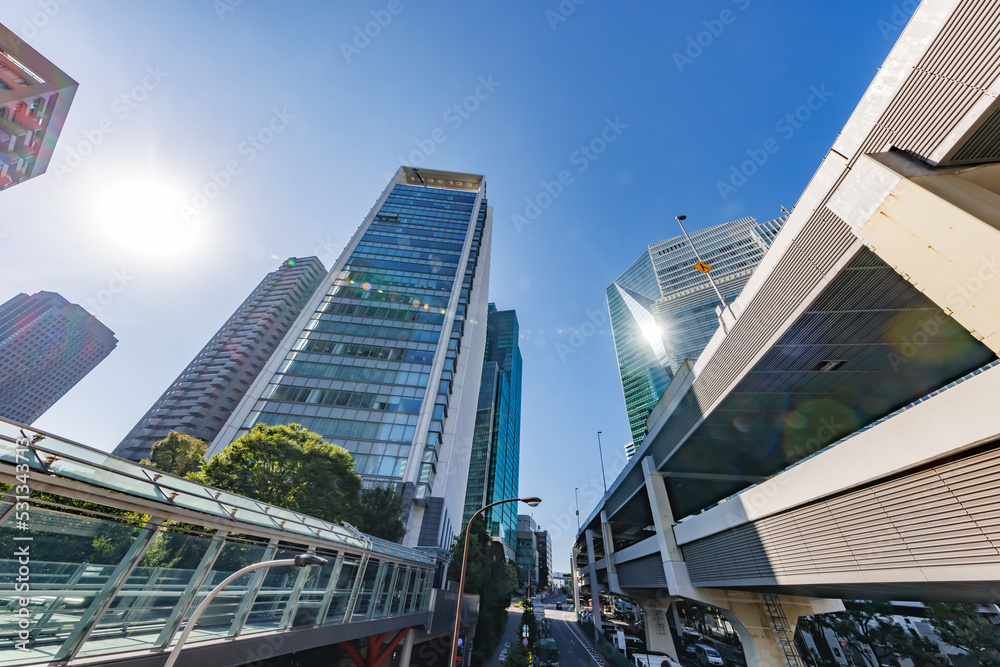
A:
{"x":527,"y":550}
{"x":664,"y":310}
{"x":207,"y":391}
{"x":386,"y":358}
{"x":47,"y":345}
{"x":496,"y":443}
{"x":544,"y":544}
{"x":35,"y":97}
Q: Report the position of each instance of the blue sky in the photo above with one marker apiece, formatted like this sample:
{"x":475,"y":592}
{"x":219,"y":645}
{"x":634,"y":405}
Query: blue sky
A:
{"x":641,"y":109}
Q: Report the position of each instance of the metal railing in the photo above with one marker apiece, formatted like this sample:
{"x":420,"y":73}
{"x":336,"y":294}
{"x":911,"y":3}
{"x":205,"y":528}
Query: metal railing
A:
{"x":99,"y":555}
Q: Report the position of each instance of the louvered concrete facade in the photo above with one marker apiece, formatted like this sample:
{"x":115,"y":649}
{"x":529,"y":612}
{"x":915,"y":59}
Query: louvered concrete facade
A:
{"x":207,"y":391}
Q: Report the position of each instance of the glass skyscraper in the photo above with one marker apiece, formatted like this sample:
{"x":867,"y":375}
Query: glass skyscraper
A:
{"x":663,"y":310}
{"x":386,"y":358}
{"x":496,"y":443}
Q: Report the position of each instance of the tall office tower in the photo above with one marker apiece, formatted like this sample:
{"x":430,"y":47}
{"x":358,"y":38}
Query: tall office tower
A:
{"x":663,"y":309}
{"x":386,"y":358}
{"x":496,"y":443}
{"x":35,"y":97}
{"x":544,"y":542}
{"x":206,"y":392}
{"x":527,"y":549}
{"x":47,"y":345}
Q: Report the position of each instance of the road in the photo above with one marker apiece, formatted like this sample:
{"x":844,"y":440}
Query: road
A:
{"x":572,"y":651}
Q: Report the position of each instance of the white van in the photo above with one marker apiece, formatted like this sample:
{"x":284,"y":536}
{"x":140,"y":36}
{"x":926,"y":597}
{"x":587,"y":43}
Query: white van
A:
{"x":707,"y":655}
{"x":654,"y":660}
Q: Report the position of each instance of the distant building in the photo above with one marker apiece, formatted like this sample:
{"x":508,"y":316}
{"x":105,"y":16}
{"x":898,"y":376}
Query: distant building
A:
{"x":544,"y":544}
{"x":387,"y":357}
{"x":629,"y":450}
{"x":495,"y":462}
{"x":207,"y":391}
{"x":527,"y":549}
{"x":35,"y":97}
{"x":47,"y":345}
{"x":663,"y":310}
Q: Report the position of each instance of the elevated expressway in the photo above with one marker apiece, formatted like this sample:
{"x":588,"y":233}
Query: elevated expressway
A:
{"x":801,"y":459}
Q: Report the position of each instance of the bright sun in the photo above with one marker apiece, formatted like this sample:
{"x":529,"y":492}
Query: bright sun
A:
{"x":142,"y":217}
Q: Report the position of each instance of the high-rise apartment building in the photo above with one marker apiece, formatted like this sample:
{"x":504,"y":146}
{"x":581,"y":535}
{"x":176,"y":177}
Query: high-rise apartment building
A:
{"x":496,"y":443}
{"x":35,"y":97}
{"x":664,"y":310}
{"x":207,"y":391}
{"x":47,"y":345}
{"x":387,"y":357}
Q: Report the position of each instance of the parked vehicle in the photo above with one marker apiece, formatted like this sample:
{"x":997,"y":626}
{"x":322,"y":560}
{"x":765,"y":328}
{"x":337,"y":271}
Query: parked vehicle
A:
{"x":654,"y":660}
{"x":707,"y":655}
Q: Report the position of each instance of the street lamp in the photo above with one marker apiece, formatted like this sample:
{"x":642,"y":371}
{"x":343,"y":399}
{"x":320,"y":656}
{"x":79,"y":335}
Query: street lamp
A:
{"x":302,"y":560}
{"x":601,"y":451}
{"x":531,"y":501}
{"x":680,"y":221}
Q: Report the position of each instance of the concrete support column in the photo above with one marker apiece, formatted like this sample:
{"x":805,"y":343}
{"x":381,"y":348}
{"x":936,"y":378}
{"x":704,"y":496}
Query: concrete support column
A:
{"x":576,"y":584}
{"x":595,"y":588}
{"x":609,"y":554}
{"x":406,"y":649}
{"x":663,"y":515}
{"x":767,"y":627}
{"x":658,"y":636}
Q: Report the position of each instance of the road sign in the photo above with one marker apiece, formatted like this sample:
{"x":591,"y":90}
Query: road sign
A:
{"x":703,"y":267}
{"x":525,"y":641}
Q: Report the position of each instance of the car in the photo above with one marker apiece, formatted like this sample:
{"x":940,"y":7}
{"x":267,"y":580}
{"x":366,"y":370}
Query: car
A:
{"x":558,"y":606}
{"x":654,"y":660}
{"x":690,"y":649}
{"x":707,"y":655}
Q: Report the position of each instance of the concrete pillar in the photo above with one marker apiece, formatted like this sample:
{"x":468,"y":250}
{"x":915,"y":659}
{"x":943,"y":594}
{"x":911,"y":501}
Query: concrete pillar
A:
{"x":658,"y":636}
{"x":406,"y":648}
{"x":609,"y":554}
{"x":576,"y":584}
{"x":761,"y":633}
{"x":595,"y":588}
{"x":663,"y":515}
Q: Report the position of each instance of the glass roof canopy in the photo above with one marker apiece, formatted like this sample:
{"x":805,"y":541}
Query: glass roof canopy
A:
{"x":50,"y":454}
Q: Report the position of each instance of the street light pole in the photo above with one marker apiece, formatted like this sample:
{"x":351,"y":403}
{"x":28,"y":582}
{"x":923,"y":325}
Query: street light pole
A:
{"x":302,"y":560}
{"x":532,"y":502}
{"x":577,"y":492}
{"x":601,"y":450}
{"x":680,"y":219}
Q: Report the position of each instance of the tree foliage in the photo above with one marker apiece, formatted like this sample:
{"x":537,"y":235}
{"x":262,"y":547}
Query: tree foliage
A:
{"x":492,"y":579}
{"x":962,"y":626}
{"x":867,"y":625}
{"x":377,"y":512}
{"x":287,"y":466}
{"x":177,"y":454}
{"x":518,"y":656}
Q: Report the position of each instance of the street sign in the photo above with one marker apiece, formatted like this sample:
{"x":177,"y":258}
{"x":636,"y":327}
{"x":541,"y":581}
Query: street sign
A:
{"x":525,"y":641}
{"x":703,"y":267}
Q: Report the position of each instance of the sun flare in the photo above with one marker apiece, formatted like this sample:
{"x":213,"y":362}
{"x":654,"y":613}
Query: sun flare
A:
{"x":142,"y":217}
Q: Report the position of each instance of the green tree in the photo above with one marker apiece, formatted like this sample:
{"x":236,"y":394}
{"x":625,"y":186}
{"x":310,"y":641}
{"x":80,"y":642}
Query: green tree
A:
{"x":528,"y":618}
{"x":378,"y":512}
{"x":287,"y":466}
{"x":962,"y":626}
{"x":492,"y":579}
{"x":866,"y":624}
{"x":178,"y":454}
{"x":518,"y":656}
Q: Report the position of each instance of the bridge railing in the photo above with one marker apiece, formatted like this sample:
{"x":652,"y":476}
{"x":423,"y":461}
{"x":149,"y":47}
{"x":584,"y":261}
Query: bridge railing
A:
{"x":116,"y":564}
